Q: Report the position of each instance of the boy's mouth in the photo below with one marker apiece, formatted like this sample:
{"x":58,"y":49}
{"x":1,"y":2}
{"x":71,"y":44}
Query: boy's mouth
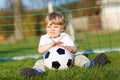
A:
{"x":52,"y":32}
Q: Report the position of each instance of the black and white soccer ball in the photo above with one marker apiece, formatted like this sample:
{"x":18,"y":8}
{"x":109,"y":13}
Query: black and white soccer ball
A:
{"x":58,"y":58}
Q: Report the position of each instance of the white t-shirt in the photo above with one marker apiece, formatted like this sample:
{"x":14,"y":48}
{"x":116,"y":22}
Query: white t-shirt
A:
{"x":65,"y":38}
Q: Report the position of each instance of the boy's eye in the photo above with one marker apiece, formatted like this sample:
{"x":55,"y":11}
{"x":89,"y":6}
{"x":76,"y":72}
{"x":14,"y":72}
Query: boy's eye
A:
{"x":56,"y":26}
{"x":48,"y":26}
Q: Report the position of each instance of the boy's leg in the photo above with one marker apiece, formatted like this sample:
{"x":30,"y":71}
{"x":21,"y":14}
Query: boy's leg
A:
{"x":38,"y":69}
{"x":81,"y":61}
{"x":40,"y":65}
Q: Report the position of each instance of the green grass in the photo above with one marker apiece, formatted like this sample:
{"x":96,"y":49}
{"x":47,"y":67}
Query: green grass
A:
{"x":19,"y":48}
{"x":10,"y":70}
{"x":98,"y":39}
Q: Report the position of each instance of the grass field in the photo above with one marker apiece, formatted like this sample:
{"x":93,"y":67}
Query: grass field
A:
{"x":9,"y":70}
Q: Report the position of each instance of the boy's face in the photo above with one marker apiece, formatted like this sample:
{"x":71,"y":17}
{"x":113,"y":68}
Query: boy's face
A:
{"x":54,"y":30}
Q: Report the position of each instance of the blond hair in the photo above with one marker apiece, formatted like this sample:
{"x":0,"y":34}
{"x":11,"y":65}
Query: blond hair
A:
{"x":55,"y":18}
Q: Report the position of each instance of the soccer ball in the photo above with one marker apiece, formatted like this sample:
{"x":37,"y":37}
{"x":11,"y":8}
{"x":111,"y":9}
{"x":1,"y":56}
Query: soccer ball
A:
{"x":58,"y":58}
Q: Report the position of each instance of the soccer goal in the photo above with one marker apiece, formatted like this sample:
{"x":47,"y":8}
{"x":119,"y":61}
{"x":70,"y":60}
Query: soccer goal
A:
{"x":93,"y":25}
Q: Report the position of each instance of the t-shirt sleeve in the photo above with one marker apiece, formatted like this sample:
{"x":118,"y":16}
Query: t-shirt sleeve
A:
{"x":68,"y":41}
{"x":42,"y":40}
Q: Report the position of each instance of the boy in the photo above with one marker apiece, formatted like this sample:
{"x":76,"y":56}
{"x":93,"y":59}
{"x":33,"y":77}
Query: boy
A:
{"x":55,"y":36}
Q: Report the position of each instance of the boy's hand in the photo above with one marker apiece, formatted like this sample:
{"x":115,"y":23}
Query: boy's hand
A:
{"x":67,"y":48}
{"x":58,"y":43}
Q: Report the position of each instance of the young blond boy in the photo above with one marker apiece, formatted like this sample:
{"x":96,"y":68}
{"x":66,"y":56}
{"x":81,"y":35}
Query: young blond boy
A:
{"x":55,"y":36}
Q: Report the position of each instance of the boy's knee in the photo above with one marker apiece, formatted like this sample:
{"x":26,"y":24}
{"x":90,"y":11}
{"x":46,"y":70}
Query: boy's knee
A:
{"x":81,"y":60}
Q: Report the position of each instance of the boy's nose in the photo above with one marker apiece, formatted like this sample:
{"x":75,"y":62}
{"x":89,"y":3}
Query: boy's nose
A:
{"x":52,"y":29}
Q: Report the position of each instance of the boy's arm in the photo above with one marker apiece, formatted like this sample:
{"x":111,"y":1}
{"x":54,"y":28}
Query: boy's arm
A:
{"x":46,"y":47}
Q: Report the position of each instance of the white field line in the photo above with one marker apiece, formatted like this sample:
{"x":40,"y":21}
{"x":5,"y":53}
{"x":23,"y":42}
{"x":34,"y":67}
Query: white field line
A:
{"x":36,"y":56}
